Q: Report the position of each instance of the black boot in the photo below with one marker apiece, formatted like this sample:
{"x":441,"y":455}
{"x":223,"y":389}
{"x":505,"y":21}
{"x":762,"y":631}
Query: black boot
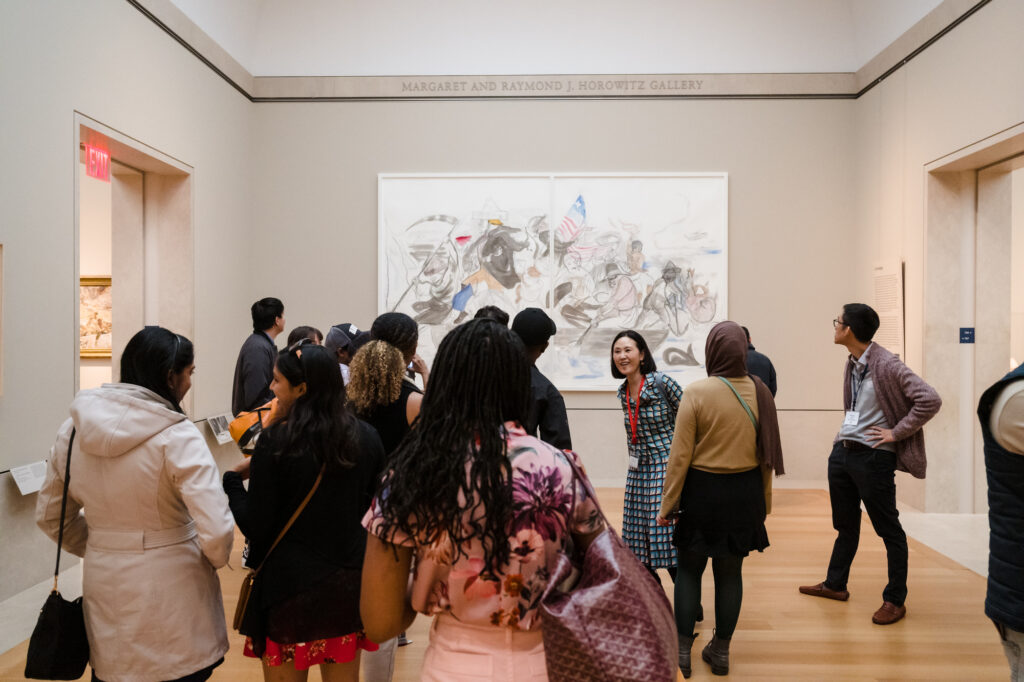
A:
{"x":716,"y":654}
{"x":685,"y":644}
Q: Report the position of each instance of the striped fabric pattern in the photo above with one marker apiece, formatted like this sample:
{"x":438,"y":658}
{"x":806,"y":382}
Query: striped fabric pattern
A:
{"x":651,"y":543}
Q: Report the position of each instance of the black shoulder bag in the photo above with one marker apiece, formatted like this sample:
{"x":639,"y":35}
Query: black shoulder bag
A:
{"x":59,"y":649}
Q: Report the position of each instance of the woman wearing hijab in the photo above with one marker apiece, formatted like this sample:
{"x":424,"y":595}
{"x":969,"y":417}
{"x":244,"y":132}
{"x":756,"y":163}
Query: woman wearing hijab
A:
{"x":725,"y":448}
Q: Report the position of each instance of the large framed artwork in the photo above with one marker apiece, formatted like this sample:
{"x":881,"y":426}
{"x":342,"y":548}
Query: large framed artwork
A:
{"x":598,"y":252}
{"x":94,"y":317}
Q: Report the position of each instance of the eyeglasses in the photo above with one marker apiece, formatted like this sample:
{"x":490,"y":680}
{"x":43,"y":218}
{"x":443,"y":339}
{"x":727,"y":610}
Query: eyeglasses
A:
{"x":837,"y":323}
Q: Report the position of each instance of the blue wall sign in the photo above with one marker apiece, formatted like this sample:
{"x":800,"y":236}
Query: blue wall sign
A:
{"x":966,"y":334}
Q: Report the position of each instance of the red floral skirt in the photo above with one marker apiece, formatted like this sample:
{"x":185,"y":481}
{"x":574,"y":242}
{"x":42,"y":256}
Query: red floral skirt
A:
{"x":305,"y":655}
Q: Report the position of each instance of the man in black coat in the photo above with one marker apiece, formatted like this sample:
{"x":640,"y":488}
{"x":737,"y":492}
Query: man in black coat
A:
{"x":254,"y":368}
{"x":547,"y":408}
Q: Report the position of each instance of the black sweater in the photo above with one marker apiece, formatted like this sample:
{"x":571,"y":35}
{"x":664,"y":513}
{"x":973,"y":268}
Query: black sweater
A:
{"x":327,"y":535}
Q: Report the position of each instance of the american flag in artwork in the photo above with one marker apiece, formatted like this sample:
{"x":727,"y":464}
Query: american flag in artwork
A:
{"x":573,"y":221}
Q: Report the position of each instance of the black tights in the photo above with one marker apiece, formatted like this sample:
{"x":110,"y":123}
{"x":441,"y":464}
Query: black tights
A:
{"x":728,"y":592}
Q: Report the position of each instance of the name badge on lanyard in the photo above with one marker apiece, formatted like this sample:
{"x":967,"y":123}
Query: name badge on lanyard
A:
{"x":852,"y":418}
{"x":634,"y":418}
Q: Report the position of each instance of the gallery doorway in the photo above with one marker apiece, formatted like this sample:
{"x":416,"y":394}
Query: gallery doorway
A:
{"x":135,"y":261}
{"x":974,"y":304}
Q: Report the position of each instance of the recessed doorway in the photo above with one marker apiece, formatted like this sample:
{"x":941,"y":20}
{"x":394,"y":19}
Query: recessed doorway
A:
{"x":134,"y":244}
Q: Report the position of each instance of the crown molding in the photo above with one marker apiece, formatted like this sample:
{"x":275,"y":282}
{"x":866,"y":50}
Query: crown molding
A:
{"x":937,"y":23}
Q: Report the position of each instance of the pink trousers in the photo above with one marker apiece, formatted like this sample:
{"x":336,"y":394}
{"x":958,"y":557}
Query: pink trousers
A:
{"x":475,"y":653}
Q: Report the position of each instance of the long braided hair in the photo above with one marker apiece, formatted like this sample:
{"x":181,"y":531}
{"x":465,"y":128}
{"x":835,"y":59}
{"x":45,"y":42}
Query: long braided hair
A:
{"x":480,"y":380}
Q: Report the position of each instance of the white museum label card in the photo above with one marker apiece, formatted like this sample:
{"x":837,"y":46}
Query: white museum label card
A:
{"x":29,"y":478}
{"x":219,"y":427}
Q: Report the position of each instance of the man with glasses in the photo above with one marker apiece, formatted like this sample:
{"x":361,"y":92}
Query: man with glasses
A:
{"x":885,"y":405}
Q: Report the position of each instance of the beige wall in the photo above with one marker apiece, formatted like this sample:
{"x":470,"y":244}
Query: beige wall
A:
{"x":961,"y":90}
{"x":1017,"y":272}
{"x":790,"y":215}
{"x":104,"y":59}
{"x":284,"y":200}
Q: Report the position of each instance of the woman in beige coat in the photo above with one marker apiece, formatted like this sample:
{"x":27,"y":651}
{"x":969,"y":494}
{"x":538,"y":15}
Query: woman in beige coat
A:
{"x":155,"y":525}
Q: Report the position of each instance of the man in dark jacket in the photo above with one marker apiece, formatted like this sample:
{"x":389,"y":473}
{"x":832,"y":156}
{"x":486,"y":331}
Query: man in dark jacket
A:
{"x":547,"y":408}
{"x":759,"y":365}
{"x":886,"y":405}
{"x":254,"y":368}
{"x":1001,"y":412}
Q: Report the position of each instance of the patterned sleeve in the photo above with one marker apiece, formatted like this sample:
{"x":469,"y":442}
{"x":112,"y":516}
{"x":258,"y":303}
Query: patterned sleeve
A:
{"x":373,"y":522}
{"x":673,"y":392}
{"x":585,"y":515}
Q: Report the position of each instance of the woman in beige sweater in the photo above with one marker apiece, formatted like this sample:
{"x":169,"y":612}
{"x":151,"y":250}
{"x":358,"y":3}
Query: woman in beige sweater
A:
{"x":718,"y":484}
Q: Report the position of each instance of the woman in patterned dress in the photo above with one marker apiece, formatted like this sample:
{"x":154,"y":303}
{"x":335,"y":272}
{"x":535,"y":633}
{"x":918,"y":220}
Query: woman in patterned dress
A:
{"x":649,"y":404}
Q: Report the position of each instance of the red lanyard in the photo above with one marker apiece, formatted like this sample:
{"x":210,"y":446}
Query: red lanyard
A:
{"x":634,"y":417}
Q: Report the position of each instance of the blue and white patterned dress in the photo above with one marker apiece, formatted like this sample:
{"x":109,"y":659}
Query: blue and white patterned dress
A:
{"x":651,"y":543}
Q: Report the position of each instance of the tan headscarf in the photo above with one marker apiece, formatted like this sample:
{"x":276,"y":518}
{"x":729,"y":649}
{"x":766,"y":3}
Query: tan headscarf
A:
{"x":726,"y":356}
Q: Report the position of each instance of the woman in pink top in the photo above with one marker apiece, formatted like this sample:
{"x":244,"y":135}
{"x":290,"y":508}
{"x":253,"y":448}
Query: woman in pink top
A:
{"x":485,"y":509}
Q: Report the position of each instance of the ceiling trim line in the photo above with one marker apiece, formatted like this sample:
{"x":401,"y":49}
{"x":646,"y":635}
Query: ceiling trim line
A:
{"x":188,"y":46}
{"x":257,"y":82}
{"x":923,"y":46}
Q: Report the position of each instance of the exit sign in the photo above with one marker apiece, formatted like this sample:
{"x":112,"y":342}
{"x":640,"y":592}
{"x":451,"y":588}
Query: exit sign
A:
{"x":97,"y":163}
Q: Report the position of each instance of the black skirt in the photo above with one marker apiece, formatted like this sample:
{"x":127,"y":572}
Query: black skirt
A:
{"x":721,"y":514}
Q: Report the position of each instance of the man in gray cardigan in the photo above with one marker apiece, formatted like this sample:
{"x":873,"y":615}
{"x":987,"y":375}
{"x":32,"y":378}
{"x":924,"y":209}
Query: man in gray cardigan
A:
{"x":885,"y":405}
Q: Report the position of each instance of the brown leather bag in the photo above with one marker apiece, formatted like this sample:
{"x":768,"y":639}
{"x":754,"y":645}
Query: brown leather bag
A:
{"x":614,"y":623}
{"x":245,"y":592}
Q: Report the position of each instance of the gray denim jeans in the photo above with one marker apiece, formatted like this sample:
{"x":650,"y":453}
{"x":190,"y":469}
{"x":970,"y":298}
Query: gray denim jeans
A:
{"x":1013,"y":645}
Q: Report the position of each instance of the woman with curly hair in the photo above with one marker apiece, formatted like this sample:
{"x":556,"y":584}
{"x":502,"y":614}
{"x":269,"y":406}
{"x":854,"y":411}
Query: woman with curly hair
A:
{"x":483,"y":506}
{"x":381,"y":394}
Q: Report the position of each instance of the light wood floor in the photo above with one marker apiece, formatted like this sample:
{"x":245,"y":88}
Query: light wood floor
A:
{"x":782,"y":634}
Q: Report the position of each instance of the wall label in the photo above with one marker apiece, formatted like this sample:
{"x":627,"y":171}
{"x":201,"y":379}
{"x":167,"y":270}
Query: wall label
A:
{"x":966,"y":334}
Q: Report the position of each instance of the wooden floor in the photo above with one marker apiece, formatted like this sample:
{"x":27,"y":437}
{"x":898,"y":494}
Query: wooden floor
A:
{"x":783,"y":635}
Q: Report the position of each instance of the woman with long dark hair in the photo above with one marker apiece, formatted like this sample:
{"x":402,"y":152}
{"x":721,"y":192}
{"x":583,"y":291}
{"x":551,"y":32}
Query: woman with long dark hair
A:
{"x":649,"y":402}
{"x":482,"y":505}
{"x":304,"y":609}
{"x":719,"y":483}
{"x":155,"y":525}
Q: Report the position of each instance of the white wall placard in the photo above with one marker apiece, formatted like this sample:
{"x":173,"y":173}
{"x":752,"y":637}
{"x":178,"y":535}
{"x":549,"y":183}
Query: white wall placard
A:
{"x":598,"y":252}
{"x":29,"y":478}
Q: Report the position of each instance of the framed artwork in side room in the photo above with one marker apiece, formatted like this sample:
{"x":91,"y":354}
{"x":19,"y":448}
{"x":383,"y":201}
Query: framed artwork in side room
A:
{"x":94,"y":317}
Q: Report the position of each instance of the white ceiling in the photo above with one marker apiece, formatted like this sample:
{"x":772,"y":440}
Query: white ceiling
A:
{"x":481,"y":37}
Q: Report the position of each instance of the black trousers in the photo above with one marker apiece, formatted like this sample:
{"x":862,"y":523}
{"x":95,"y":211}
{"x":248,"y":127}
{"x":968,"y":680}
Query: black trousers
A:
{"x":862,"y":474}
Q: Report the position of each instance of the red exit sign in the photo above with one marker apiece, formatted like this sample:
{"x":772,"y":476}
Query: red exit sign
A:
{"x":97,"y":163}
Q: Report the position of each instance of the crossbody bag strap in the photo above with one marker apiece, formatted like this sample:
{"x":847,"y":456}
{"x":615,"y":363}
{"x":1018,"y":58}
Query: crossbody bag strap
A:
{"x":63,"y":508}
{"x":295,"y":515}
{"x":746,"y":407}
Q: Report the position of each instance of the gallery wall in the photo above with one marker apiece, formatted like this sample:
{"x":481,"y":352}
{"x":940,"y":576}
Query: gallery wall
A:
{"x":963,"y":89}
{"x":791,"y":210}
{"x":284,"y":202}
{"x":106,"y":60}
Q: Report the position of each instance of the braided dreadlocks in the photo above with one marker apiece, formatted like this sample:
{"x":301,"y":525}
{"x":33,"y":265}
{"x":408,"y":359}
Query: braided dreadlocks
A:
{"x":480,"y":380}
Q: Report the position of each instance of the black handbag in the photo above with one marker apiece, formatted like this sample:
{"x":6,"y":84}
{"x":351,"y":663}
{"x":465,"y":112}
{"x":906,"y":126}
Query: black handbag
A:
{"x":59,"y":648}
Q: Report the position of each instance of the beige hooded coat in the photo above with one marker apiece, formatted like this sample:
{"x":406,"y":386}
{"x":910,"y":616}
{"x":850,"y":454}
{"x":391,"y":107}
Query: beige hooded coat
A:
{"x":147,"y":512}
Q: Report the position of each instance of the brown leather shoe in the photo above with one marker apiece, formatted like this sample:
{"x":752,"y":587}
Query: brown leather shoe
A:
{"x":888,"y":613}
{"x":820,"y":590}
